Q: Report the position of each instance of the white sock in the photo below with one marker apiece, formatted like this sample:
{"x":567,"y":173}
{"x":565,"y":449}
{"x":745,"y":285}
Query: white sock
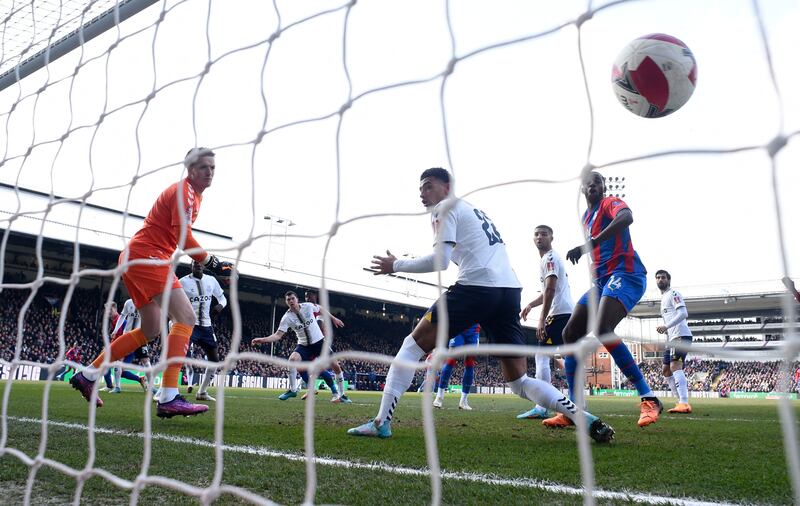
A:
{"x":672,"y":386}
{"x":90,"y":373}
{"x":167,"y":394}
{"x":440,"y":393}
{"x":293,"y":379}
{"x":206,"y":380}
{"x":464,"y":396}
{"x":683,"y":387}
{"x":544,"y":394}
{"x":399,"y":379}
{"x":543,"y":368}
{"x":117,"y":377}
{"x":340,"y":383}
{"x":190,"y":376}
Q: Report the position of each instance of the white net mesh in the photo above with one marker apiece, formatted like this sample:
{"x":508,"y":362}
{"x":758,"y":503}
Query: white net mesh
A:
{"x":332,"y":107}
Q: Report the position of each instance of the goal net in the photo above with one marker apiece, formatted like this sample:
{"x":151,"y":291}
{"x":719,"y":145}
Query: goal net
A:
{"x":324,"y":114}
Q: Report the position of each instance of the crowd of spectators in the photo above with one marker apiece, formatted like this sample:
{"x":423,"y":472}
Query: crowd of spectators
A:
{"x":722,"y":376}
{"x":83,"y":320}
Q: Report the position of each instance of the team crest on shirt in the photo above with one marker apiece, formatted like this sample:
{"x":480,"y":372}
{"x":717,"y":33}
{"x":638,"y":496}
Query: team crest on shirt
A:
{"x":614,"y":283}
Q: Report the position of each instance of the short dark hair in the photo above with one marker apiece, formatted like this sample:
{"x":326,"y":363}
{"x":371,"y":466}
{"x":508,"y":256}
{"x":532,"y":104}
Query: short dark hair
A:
{"x":546,"y":228}
{"x":290,"y":293}
{"x":436,"y":172}
{"x":310,"y":292}
{"x":662,"y":271}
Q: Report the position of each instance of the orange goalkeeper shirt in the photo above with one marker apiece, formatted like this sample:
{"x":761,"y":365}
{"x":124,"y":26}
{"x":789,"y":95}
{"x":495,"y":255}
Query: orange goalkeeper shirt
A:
{"x":158,"y":238}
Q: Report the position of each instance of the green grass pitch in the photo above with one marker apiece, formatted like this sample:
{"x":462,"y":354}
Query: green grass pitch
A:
{"x":726,"y":451}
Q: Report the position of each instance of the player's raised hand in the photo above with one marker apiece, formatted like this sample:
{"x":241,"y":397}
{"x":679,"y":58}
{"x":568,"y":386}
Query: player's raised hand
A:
{"x":383,"y":265}
{"x":219,"y":267}
{"x":575,"y":254}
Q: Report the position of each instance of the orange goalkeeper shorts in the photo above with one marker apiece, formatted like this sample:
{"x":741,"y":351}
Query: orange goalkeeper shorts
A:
{"x":147,"y":281}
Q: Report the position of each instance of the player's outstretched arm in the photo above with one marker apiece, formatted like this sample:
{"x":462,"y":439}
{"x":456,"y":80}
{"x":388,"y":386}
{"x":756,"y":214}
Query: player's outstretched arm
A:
{"x":621,"y":221}
{"x":523,"y":315}
{"x":428,"y":263}
{"x":269,"y":339}
{"x":336,"y":321}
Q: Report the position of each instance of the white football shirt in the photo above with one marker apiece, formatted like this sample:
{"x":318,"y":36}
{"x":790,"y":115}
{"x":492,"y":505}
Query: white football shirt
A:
{"x":552,"y":265}
{"x":304,"y":324}
{"x":479,"y":251}
{"x":130,"y":317}
{"x":199,"y":292}
{"x":671,"y":300}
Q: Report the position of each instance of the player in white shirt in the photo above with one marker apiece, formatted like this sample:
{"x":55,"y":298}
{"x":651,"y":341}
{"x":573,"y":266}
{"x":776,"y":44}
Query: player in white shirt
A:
{"x":673,"y":310}
{"x":487,"y":292}
{"x":556,"y":302}
{"x":338,"y":373}
{"x":128,"y":321}
{"x":200,"y":289}
{"x":301,"y":317}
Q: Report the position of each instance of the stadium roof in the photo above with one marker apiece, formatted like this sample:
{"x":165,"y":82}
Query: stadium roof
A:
{"x":54,"y":217}
{"x":720,"y":306}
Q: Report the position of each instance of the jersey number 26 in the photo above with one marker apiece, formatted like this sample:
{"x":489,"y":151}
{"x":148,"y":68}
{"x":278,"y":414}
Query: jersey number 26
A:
{"x":488,"y":228}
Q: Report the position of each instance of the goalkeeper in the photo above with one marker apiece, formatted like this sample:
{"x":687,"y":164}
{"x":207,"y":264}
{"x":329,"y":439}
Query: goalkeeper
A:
{"x":148,"y":282}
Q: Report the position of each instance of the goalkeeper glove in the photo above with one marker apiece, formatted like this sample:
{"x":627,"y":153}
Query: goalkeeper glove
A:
{"x":219,"y":267}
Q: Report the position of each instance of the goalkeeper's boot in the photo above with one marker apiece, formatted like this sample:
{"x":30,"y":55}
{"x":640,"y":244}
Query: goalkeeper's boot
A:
{"x":650,"y":408}
{"x":559,"y":421}
{"x":204,"y":396}
{"x":437,"y":402}
{"x":463,"y":404}
{"x":345,"y":399}
{"x":80,"y":383}
{"x":178,"y":406}
{"x":682,"y":408}
{"x":285,"y":396}
{"x":599,"y":430}
{"x":115,"y":390}
{"x":536,"y":412}
{"x":369,"y":429}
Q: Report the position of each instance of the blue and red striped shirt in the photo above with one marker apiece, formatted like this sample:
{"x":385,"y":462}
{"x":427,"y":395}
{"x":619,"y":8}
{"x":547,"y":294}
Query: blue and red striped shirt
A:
{"x":615,"y":254}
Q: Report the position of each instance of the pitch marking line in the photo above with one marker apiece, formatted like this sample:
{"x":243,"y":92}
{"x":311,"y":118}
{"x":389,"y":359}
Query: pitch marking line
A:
{"x":486,"y":479}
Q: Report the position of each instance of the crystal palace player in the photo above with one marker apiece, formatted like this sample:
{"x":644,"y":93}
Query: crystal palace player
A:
{"x":73,"y":355}
{"x":620,"y":283}
{"x":486,"y":292}
{"x":469,"y":337}
{"x":300,"y":318}
{"x":171,"y":217}
{"x":200,"y":289}
{"x":556,"y":302}
{"x":673,"y":310}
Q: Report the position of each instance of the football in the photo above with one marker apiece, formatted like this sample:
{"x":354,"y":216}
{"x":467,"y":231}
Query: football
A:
{"x":654,"y":75}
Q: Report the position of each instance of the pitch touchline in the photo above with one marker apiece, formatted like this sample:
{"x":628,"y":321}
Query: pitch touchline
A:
{"x":486,"y":479}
